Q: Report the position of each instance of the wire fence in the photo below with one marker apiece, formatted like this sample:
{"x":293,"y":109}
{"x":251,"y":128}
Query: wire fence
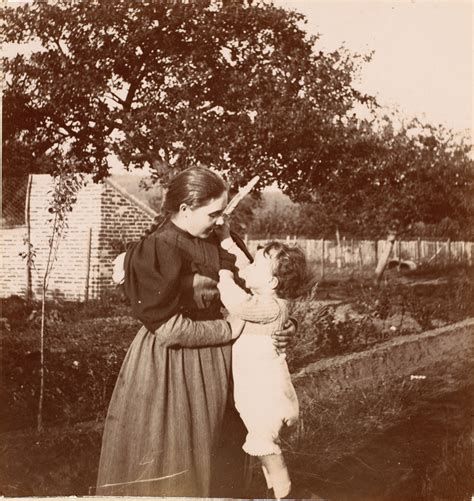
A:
{"x":13,"y":201}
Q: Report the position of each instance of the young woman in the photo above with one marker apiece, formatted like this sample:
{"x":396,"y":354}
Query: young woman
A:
{"x":171,"y":428}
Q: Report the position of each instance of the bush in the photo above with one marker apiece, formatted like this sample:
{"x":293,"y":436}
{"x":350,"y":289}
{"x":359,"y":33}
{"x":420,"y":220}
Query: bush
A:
{"x":367,"y":314}
{"x":21,"y":313}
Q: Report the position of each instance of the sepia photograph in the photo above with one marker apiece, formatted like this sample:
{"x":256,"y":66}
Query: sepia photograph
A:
{"x":237,"y":249}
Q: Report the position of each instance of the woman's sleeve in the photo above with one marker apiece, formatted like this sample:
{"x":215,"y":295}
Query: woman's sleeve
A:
{"x":153,"y":285}
{"x":228,"y":259}
{"x":182,"y":331}
{"x":152,"y":280}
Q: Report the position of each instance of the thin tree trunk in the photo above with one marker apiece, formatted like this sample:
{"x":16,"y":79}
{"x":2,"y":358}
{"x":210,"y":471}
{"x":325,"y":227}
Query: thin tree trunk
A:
{"x":49,"y":264}
{"x":41,"y":395}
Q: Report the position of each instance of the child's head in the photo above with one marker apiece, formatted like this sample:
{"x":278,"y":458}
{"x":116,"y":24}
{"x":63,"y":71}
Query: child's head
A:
{"x":197,"y":196}
{"x":277,"y":267}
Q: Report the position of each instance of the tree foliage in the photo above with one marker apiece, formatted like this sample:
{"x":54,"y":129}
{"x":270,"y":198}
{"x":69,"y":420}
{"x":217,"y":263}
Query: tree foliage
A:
{"x":238,"y":86}
{"x":397,"y":176}
{"x":415,"y":178}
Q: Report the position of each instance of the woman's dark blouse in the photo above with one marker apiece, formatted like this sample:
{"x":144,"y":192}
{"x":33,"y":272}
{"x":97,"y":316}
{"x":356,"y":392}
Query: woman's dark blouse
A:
{"x":159,"y":271}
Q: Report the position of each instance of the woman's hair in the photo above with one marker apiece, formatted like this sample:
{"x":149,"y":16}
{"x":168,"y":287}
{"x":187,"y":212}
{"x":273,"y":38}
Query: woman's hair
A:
{"x":194,"y":187}
{"x":290,"y":268}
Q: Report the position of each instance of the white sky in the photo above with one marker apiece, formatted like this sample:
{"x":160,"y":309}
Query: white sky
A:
{"x":423,"y":51}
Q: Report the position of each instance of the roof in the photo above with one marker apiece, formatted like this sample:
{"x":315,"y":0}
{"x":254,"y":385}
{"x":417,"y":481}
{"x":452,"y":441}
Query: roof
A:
{"x":138,"y":190}
{"x":131,"y":186}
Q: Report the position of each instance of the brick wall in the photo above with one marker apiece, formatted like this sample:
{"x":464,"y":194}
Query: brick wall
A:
{"x":123,"y":221}
{"x":13,"y":266}
{"x":103,"y":220}
{"x":70,"y":275}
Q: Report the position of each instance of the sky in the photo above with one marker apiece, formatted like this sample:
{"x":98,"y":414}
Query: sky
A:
{"x":423,"y":56}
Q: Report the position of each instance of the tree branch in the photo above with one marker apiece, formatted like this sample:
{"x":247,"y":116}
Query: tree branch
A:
{"x":134,"y":84}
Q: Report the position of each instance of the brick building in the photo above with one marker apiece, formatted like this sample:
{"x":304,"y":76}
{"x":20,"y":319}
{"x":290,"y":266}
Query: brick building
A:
{"x":105,"y":217}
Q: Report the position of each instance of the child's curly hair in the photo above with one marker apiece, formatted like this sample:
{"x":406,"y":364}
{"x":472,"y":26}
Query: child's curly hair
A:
{"x":290,"y":268}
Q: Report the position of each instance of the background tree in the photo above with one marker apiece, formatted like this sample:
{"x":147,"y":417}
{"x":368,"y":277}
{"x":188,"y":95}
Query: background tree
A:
{"x":396,"y":176}
{"x":412,"y":177}
{"x":63,"y":196}
{"x":238,"y":86}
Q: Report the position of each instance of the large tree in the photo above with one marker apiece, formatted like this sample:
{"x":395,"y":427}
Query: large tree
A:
{"x":238,"y":86}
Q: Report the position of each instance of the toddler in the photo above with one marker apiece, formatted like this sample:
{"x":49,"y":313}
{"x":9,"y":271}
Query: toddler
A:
{"x":263,"y":392}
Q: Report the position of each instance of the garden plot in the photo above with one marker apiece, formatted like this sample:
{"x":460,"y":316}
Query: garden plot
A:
{"x":84,"y":352}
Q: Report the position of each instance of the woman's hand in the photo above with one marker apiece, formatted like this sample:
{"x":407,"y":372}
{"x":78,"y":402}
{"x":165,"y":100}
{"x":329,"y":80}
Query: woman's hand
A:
{"x":199,"y":289}
{"x":283,"y":339}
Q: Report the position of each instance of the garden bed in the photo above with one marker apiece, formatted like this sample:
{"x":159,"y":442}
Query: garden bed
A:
{"x":84,"y":353}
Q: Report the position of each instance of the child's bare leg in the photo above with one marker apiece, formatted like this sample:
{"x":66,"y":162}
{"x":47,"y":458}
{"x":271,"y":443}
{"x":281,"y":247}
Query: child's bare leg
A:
{"x":276,"y":474}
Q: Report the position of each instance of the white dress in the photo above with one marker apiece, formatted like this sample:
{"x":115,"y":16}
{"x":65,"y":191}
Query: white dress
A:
{"x":263,"y":392}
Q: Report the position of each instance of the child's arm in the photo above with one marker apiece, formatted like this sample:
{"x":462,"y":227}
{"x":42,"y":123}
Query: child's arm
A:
{"x":228,"y":244}
{"x":241,"y":259}
{"x":246,"y":306}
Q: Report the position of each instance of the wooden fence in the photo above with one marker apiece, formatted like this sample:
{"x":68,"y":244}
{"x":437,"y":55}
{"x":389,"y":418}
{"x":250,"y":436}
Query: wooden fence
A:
{"x":360,"y":253}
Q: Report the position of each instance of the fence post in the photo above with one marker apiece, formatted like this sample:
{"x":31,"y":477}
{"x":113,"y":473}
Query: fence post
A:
{"x":382,"y":263}
{"x":338,"y":250}
{"x":88,"y":264}
{"x":343,"y":251}
{"x":322,"y":258}
{"x":449,"y":250}
{"x":418,"y":250}
{"x":29,"y":260}
{"x":352,"y":252}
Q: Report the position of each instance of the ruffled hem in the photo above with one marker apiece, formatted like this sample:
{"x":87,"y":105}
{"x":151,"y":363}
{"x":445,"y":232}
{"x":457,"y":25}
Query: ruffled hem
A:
{"x":260,"y":448}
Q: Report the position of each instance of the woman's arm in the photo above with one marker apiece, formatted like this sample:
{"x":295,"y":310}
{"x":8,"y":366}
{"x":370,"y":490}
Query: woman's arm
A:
{"x":153,"y":279}
{"x":184,"y":332}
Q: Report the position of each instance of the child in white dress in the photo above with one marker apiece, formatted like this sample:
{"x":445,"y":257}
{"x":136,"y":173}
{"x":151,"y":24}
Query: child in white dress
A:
{"x":263,"y":392}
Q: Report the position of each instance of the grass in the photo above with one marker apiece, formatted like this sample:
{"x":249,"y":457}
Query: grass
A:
{"x":400,"y":439}
{"x":85,"y":351}
{"x":339,"y":450}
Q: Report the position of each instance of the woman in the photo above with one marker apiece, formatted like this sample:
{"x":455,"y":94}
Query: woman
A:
{"x":171,"y":428}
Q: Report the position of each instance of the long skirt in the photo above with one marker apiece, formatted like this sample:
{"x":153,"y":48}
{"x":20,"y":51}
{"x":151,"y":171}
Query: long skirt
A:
{"x":171,"y":428}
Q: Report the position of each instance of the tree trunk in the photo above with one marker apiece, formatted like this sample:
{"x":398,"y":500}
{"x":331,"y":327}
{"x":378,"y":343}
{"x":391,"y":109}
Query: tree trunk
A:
{"x":381,"y":265}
